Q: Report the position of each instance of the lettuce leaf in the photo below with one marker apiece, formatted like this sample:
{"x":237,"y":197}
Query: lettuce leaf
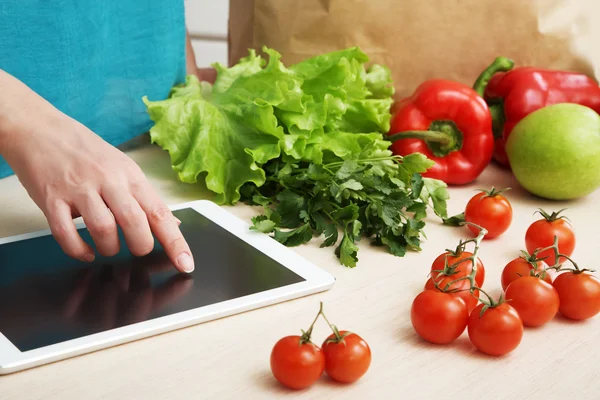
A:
{"x":328,"y":107}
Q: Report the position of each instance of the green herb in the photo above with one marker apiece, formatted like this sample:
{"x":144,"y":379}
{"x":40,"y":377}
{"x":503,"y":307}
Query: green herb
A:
{"x":357,"y":198}
{"x":307,"y":144}
{"x":455,"y":220}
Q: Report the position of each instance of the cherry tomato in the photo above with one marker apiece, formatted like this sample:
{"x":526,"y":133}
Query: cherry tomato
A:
{"x":579,"y":294}
{"x":347,"y":360}
{"x":535,"y":300}
{"x":541,"y":234}
{"x":463,"y":269}
{"x":295,"y":364}
{"x":520,"y":267}
{"x":459,"y":289}
{"x":498,"y":331}
{"x":490,"y":210}
{"x":438,"y":317}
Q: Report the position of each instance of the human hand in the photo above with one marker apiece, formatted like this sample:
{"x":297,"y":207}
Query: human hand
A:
{"x":69,"y":172}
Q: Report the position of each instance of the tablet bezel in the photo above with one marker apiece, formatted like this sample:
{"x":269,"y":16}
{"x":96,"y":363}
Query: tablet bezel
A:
{"x":316,"y":280}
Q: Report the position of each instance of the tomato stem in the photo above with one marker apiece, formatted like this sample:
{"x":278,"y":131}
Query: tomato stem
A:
{"x":552,"y":217}
{"x":493,"y":192}
{"x":449,"y":269}
{"x":306,"y":336}
{"x":339,"y":338}
{"x":533,"y":259}
{"x":489,"y":303}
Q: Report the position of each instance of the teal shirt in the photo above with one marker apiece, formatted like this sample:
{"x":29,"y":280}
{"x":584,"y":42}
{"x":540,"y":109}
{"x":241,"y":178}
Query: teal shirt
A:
{"x":94,"y":60}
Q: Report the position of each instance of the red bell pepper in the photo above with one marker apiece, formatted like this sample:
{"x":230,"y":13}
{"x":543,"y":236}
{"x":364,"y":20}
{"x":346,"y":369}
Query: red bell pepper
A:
{"x":515,"y":94}
{"x":450,"y":123}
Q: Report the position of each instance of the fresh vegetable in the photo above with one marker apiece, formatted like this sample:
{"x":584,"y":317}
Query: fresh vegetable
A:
{"x":495,"y":328}
{"x":306,"y":143}
{"x":347,"y":356}
{"x":491,"y":210}
{"x":440,"y":313}
{"x":324,"y":108}
{"x":535,"y":300}
{"x":462,"y":260}
{"x":296,"y":362}
{"x":438,"y":317}
{"x":579,"y":292}
{"x":456,"y":286}
{"x":519,"y":92}
{"x":459,"y":272}
{"x":353,"y":197}
{"x":542,"y":232}
{"x":451,"y":124}
{"x":554,"y":152}
{"x":523,"y":266}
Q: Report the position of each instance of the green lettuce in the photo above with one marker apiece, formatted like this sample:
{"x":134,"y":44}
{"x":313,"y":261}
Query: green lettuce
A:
{"x":326,"y":108}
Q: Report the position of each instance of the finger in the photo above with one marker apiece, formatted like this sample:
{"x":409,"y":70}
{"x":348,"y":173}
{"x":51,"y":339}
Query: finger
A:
{"x":101,"y":224}
{"x":132,"y":220}
{"x":165,"y":228}
{"x":63,"y":229}
{"x":173,"y":289}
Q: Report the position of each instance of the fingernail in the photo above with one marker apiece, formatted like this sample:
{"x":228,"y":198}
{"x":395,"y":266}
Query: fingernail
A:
{"x":185,"y":262}
{"x":178,"y":221}
{"x":89,"y":257}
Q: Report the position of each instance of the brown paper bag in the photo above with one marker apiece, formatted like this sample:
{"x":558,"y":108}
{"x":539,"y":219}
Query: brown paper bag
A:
{"x":422,"y":39}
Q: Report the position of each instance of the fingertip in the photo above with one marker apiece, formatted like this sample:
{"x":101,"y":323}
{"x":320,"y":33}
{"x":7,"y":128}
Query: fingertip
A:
{"x":88,"y":257}
{"x":185,"y":262}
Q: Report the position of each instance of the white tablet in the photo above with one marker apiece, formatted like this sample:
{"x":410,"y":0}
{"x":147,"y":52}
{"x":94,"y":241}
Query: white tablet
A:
{"x":53,"y":307}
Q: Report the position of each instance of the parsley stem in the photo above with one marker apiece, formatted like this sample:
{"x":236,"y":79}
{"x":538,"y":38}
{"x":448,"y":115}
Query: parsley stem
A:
{"x":365,"y":160}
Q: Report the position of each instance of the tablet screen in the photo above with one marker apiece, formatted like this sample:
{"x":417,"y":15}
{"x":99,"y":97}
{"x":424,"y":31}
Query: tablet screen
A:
{"x":47,"y":298}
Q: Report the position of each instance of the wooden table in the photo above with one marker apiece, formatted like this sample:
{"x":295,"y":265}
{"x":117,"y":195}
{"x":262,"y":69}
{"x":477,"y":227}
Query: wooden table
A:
{"x":229,"y":358}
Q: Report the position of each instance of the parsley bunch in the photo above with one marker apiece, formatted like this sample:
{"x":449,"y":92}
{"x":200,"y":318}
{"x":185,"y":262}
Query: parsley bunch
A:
{"x":383,"y":199}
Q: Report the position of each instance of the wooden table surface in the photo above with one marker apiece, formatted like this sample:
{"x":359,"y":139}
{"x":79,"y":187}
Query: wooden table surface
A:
{"x":229,"y":358}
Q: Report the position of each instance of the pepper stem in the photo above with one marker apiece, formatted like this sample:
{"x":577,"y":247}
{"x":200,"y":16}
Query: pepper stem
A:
{"x":431,"y":136}
{"x":442,"y":137}
{"x":498,"y":119}
{"x":500,"y":64}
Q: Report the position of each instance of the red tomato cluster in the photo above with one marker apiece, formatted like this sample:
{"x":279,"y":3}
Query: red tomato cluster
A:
{"x":297,"y":363}
{"x":450,"y":304}
{"x":536,"y":287}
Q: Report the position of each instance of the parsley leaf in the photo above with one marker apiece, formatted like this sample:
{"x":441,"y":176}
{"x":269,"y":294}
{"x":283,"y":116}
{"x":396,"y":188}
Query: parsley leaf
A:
{"x":455,"y":220}
{"x":262,"y":224}
{"x":294,"y":237}
{"x":435,"y":191}
{"x":347,"y":251}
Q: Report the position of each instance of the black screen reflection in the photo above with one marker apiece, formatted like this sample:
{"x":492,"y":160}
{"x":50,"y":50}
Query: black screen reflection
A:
{"x":47,"y":298}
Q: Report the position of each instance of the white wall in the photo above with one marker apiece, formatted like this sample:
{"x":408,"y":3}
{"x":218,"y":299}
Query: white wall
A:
{"x":207,"y":24}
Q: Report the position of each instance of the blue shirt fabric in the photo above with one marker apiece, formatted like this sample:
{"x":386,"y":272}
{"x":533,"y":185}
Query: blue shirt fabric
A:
{"x":94,"y":60}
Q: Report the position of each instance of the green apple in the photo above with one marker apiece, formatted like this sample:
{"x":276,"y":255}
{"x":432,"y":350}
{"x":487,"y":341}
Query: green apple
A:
{"x":554,"y":152}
